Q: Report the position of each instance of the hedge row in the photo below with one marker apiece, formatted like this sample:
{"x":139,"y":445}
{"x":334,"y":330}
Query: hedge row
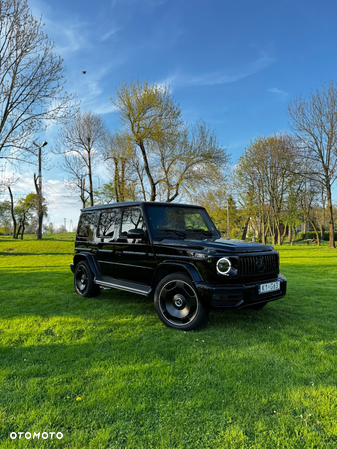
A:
{"x":312,"y":235}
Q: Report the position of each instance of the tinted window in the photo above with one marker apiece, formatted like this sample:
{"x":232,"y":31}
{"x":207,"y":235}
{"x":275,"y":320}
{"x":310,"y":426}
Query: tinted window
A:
{"x":86,"y":226}
{"x":132,"y":219}
{"x":187,"y":221}
{"x":107,"y":222}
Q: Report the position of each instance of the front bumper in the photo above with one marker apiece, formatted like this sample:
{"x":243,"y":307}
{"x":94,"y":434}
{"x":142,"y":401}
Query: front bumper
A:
{"x":236,"y":296}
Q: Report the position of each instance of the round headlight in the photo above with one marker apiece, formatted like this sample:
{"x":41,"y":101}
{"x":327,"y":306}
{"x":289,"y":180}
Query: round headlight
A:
{"x":223,"y":266}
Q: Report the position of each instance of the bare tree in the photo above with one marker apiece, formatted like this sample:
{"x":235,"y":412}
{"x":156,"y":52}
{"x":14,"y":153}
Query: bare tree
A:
{"x":31,"y":80}
{"x":80,"y":142}
{"x":265,"y":176}
{"x":191,"y":162}
{"x":308,"y":200}
{"x":314,"y":122}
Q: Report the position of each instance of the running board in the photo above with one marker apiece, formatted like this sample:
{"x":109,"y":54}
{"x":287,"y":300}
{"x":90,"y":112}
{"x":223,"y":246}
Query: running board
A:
{"x":133,"y":287}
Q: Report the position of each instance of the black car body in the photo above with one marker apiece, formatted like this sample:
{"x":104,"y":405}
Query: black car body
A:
{"x":174,"y":253}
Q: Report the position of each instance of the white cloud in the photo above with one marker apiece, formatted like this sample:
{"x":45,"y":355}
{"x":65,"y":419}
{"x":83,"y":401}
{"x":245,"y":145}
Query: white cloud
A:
{"x":62,"y":203}
{"x":229,"y":76}
{"x":110,"y":33}
{"x":281,"y":93}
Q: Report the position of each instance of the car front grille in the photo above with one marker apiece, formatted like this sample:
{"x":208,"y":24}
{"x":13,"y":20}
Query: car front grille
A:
{"x":258,"y":265}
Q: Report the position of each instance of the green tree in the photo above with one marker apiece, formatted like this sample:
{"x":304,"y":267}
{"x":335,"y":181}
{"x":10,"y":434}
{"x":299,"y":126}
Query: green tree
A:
{"x":170,"y":157}
{"x":119,"y":157}
{"x":5,"y":216}
{"x":148,"y":114}
{"x":26,"y":211}
{"x":215,"y":202}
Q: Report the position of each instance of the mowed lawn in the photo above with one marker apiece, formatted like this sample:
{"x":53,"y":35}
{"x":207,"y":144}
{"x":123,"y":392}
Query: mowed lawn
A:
{"x":108,"y":374}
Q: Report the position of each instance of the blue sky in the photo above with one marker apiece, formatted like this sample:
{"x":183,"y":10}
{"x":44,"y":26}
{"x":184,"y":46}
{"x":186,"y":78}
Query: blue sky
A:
{"x":234,"y":64}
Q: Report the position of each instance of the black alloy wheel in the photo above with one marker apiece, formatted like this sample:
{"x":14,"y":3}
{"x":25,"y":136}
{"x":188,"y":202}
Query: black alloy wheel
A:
{"x":177,"y":304}
{"x":84,"y":280}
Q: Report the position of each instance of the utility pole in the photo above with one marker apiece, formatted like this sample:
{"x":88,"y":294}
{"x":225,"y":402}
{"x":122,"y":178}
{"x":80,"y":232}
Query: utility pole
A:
{"x":228,"y":231}
{"x":38,"y":188}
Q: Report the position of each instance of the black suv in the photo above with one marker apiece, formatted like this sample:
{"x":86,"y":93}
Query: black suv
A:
{"x":174,"y":253}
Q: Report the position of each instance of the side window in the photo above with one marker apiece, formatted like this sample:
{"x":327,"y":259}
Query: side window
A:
{"x":86,"y":227}
{"x":131,"y":219}
{"x":107,"y":223}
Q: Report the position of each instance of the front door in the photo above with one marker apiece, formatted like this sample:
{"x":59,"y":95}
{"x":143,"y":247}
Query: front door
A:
{"x":135,"y":261}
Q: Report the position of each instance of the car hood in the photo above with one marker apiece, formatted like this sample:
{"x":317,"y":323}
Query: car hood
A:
{"x":216,"y":246}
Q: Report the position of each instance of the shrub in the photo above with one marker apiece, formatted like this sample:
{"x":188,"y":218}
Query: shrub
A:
{"x":312,"y":235}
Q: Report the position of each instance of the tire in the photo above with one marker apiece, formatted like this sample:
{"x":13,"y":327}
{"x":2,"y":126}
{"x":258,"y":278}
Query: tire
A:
{"x":177,"y":304}
{"x":258,"y":306}
{"x":84,"y":280}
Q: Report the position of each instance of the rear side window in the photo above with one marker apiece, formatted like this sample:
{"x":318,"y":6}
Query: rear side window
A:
{"x":109,"y":219}
{"x":86,"y":226}
{"x":132,"y":219}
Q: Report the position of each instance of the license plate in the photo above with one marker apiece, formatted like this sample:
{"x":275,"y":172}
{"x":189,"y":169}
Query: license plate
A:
{"x":271,"y":287}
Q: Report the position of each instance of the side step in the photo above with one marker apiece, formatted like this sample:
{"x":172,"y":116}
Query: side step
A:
{"x":133,"y":287}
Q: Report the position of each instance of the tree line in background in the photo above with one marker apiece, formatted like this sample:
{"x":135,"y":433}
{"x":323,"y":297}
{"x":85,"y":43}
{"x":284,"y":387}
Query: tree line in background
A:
{"x":279,"y":182}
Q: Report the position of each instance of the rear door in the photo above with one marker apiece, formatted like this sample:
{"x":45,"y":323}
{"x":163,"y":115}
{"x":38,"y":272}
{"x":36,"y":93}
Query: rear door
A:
{"x":107,"y":234}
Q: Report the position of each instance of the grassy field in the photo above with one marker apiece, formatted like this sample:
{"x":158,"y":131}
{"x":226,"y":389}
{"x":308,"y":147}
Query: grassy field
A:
{"x":108,"y":374}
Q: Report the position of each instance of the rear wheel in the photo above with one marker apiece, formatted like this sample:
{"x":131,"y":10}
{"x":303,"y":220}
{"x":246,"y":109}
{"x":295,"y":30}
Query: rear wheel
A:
{"x":84,"y":280}
{"x":177,"y":304}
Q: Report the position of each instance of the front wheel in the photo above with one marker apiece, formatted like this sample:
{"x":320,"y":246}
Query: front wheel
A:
{"x":84,"y":280}
{"x":177,"y":304}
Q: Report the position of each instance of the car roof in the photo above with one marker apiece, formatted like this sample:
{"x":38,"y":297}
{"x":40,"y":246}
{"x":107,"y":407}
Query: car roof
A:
{"x":137,"y":203}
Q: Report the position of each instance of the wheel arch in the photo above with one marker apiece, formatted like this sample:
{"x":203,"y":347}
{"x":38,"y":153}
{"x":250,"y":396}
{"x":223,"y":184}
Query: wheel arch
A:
{"x":166,"y":268}
{"x":91,"y":261}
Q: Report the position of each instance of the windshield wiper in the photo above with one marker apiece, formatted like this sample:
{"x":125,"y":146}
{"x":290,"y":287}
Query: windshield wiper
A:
{"x":208,"y":233}
{"x":180,"y":233}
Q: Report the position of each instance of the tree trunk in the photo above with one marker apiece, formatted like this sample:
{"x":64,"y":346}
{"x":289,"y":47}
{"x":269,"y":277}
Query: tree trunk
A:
{"x":273,"y":234}
{"x":245,"y":229}
{"x":278,"y":233}
{"x":12,"y":212}
{"x":147,"y":170}
{"x":322,"y":232}
{"x":295,"y":234}
{"x":264,"y":233}
{"x":331,"y":221}
{"x":116,"y":180}
{"x":289,"y":234}
{"x":284,"y":234}
{"x":19,"y":230}
{"x":91,"y":191}
{"x":40,"y":211}
{"x":316,"y":232}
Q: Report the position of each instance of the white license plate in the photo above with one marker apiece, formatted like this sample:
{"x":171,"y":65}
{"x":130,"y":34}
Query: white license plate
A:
{"x":271,"y":287}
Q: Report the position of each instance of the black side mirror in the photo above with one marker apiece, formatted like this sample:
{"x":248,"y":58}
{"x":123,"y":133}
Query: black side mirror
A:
{"x":136,"y":234}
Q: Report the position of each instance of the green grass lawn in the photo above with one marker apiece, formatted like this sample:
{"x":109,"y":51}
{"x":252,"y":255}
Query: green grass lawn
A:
{"x":108,"y":374}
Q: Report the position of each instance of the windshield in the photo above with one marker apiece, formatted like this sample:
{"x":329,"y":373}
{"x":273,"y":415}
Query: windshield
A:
{"x":180,"y":222}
